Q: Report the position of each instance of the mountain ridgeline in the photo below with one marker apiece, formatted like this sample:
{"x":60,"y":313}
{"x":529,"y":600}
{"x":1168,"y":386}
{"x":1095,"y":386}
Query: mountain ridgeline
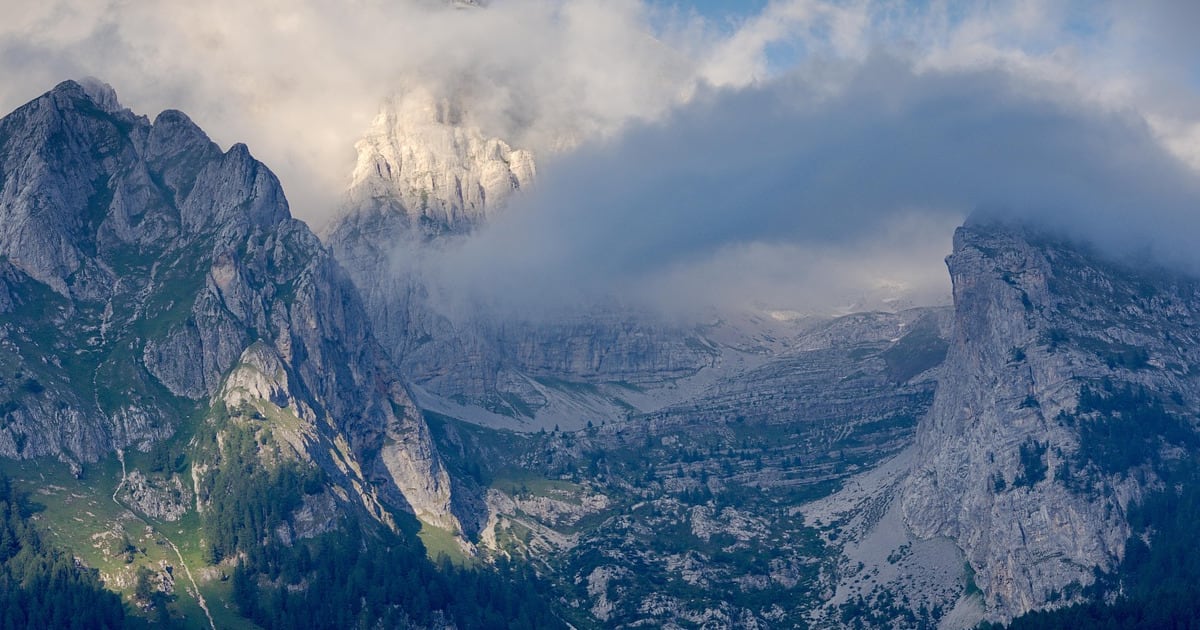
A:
{"x":157,"y":301}
{"x":151,"y":279}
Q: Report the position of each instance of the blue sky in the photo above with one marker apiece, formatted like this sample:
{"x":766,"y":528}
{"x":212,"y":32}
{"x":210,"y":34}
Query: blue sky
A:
{"x":719,"y":11}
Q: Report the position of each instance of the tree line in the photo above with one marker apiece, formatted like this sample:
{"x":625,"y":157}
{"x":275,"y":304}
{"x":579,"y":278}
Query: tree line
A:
{"x":42,"y":586}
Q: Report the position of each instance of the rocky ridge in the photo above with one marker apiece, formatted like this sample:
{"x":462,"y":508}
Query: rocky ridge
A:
{"x":146,"y":274}
{"x":422,"y":165}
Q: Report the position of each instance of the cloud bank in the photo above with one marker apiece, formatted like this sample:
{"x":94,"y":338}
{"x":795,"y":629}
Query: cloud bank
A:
{"x":807,"y":156}
{"x":855,"y":179}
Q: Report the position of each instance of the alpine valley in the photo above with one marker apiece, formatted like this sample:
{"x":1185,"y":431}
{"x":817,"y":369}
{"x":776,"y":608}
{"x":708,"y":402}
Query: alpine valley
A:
{"x":212,"y":418}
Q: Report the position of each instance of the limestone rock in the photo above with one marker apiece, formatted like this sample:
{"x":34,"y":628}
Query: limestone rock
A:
{"x":421,"y":163}
{"x":1002,"y":467}
{"x":157,"y":496}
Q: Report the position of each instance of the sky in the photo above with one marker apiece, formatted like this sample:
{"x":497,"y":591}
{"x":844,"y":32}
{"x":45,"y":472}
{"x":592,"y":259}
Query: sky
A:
{"x":808,"y":155}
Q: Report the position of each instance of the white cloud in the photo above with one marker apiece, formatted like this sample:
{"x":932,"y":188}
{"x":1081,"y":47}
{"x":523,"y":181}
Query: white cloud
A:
{"x":731,"y":186}
{"x":699,"y":202}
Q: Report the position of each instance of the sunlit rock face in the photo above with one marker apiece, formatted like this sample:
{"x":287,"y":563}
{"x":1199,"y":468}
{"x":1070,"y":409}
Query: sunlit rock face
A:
{"x":423,"y":163}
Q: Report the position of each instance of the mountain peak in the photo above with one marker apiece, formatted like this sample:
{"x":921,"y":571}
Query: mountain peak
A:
{"x":423,"y":155}
{"x":102,"y":94}
{"x":149,"y":241}
{"x":70,"y":87}
{"x":99,"y":93}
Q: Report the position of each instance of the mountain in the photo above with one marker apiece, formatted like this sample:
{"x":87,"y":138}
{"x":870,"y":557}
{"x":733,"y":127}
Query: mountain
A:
{"x":192,"y":390}
{"x":1070,"y":394}
{"x":423,"y":167}
{"x":152,"y":281}
{"x":1062,"y":423}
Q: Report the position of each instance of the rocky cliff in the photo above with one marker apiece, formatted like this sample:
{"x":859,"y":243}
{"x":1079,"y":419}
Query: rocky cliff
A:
{"x":1067,"y":387}
{"x":145,"y":273}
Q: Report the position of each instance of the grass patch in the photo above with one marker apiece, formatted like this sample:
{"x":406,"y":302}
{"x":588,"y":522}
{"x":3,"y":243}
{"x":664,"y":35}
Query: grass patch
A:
{"x":219,"y":595}
{"x":441,"y":542}
{"x":80,"y":515}
{"x":521,"y":481}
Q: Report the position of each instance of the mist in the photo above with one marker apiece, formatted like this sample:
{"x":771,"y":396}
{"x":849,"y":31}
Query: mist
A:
{"x":853,"y":179}
{"x":811,"y":155}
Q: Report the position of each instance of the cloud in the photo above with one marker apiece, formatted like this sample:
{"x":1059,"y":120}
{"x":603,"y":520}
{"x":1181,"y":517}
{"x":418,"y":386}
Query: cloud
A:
{"x":711,"y":158}
{"x":828,"y":27}
{"x":819,"y":169}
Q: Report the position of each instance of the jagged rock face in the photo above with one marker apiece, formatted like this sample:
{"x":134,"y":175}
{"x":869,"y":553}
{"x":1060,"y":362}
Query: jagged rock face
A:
{"x":163,"y":498}
{"x":1007,"y":463}
{"x":141,"y":264}
{"x":426,"y":344}
{"x":421,"y":164}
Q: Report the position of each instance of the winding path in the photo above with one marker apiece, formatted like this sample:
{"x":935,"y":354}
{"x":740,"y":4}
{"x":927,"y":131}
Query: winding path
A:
{"x":104,"y":326}
{"x":195,"y":591}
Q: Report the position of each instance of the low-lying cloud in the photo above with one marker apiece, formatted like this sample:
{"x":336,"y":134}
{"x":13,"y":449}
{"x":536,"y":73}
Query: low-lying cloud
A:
{"x":821,"y":169}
